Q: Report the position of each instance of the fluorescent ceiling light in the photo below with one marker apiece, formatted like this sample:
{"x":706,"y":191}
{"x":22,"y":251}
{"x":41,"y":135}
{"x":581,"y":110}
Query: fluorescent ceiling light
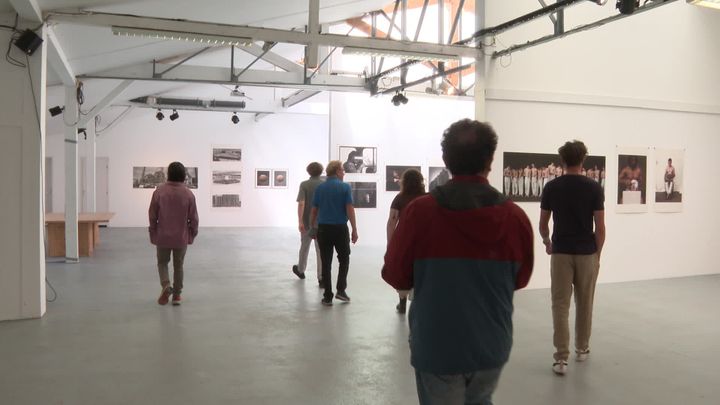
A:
{"x":350,"y":50}
{"x":706,"y":3}
{"x":213,"y":40}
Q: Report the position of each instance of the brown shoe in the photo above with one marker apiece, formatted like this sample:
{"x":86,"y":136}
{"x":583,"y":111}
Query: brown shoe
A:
{"x":177,"y":299}
{"x":165,"y":295}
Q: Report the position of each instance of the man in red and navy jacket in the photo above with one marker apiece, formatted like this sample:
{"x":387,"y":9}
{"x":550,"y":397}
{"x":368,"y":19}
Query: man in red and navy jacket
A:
{"x":464,"y":248}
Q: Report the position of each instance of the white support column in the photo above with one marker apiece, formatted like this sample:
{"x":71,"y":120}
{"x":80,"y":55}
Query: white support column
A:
{"x":91,"y":149}
{"x":71,"y":175}
{"x":480,"y":67}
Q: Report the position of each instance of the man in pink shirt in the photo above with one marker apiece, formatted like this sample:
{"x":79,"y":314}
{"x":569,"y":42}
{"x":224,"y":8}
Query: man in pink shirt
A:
{"x":173,"y":225}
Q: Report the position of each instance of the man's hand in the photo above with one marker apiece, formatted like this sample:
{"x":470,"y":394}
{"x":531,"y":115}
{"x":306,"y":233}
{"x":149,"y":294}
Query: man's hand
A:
{"x":354,"y":236}
{"x":301,"y":228}
{"x":548,"y":246}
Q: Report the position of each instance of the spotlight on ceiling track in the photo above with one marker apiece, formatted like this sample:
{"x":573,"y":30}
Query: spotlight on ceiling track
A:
{"x":627,"y":6}
{"x":399,"y":98}
{"x":235,"y":119}
{"x":159,"y":115}
{"x":174,"y":115}
{"x":57,"y":110}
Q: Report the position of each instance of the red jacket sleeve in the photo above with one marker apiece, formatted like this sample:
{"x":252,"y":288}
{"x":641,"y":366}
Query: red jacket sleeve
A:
{"x":527,"y":255}
{"x":193,"y":219}
{"x":153,"y":217}
{"x":399,"y":258}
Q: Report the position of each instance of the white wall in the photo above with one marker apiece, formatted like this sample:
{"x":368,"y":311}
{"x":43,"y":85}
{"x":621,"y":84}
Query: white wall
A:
{"x":22,"y":263}
{"x":281,"y":141}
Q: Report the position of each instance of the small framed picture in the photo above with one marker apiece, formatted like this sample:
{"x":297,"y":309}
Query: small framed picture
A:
{"x":280,"y":178}
{"x":262,"y":178}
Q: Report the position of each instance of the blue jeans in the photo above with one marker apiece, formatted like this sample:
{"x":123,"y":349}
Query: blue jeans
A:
{"x":457,"y":389}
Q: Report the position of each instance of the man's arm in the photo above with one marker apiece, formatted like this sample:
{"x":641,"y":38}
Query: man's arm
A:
{"x":313,"y":220}
{"x":399,"y":258}
{"x":527,"y":249}
{"x":350,"y":210}
{"x":545,"y":230}
{"x":153,"y":217}
{"x":599,"y":217}
{"x":193,"y":218}
{"x":300,"y":210}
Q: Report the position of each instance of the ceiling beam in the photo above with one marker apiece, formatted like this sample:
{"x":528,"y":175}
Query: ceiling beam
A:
{"x":58,"y":60}
{"x":272,"y":58}
{"x":104,"y":103}
{"x":28,"y":9}
{"x":221,"y":75}
{"x":262,"y":34}
{"x":298,"y":97}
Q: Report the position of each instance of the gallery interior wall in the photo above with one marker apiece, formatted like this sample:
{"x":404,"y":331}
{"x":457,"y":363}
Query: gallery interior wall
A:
{"x":631,"y":83}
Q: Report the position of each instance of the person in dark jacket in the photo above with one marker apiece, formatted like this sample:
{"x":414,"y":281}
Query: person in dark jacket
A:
{"x":465,"y":248}
{"x":174,"y":223}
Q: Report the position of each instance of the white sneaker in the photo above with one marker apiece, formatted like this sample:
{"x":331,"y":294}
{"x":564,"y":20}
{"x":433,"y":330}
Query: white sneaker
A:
{"x":582,"y":355}
{"x":560,"y":367}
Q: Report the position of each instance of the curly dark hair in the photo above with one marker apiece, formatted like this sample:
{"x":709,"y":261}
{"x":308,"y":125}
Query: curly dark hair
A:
{"x":412,"y":182}
{"x":314,"y":169}
{"x":468,"y":147}
{"x":573,"y":153}
{"x":176,"y":172}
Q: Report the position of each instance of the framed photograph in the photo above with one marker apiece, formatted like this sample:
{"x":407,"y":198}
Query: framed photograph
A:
{"x":393,"y":174}
{"x":153,"y":176}
{"x":226,"y":201}
{"x":262,"y":178}
{"x":437,"y":176}
{"x":669,"y":185}
{"x":226,"y":154}
{"x":632,"y":180}
{"x":226,"y":177}
{"x":358,"y":159}
{"x":280,"y":178}
{"x":364,"y":194}
{"x":526,"y":174}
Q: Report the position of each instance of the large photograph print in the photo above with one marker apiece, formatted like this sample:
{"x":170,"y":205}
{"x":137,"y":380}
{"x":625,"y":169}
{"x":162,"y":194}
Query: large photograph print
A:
{"x":632,"y":180}
{"x":358,"y":159}
{"x":364,"y":194}
{"x":437,"y":176}
{"x":153,"y":176}
{"x":393,"y":174}
{"x":226,"y":154}
{"x":669,"y":186}
{"x":526,"y":174}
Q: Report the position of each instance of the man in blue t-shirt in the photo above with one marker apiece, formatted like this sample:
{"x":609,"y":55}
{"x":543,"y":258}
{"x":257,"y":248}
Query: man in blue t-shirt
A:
{"x":576,"y":203}
{"x":332,"y":206}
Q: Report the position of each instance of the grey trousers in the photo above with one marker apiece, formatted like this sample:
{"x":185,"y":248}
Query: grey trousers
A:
{"x":163,"y":258}
{"x":457,"y":389}
{"x":305,"y":241}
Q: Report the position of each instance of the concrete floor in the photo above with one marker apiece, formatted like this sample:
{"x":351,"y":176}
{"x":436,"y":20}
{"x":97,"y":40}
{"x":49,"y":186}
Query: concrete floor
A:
{"x":249,"y":332}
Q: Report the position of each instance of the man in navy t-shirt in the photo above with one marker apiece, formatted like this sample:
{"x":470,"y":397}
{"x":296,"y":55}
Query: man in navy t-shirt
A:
{"x":576,"y":204}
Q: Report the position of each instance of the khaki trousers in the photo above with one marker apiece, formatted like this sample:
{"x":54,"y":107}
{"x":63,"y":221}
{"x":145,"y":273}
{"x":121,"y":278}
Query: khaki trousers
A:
{"x":568,"y":272}
{"x":163,"y":258}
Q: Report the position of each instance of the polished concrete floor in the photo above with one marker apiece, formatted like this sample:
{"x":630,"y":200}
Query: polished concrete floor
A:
{"x":249,"y":332}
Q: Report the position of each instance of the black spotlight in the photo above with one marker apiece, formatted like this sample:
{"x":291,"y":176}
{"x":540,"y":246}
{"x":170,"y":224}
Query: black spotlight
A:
{"x":57,"y":110}
{"x":174,"y":115}
{"x":159,"y":115}
{"x":235,"y":119}
{"x":403,"y":99}
{"x":28,"y":42}
{"x":399,"y":98}
{"x":627,"y":6}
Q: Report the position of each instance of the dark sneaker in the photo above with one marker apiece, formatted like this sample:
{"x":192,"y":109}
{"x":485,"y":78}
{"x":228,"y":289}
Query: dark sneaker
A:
{"x":401,"y":306}
{"x":176,"y":299}
{"x":342,"y":296}
{"x":326,"y":301}
{"x":320,"y":284}
{"x":295,"y":270}
{"x":165,"y":295}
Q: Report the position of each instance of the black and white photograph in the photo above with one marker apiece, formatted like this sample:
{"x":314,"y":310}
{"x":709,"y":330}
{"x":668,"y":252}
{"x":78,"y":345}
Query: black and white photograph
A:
{"x":437,"y":176}
{"x":280,"y":178}
{"x":358,"y":159}
{"x":226,"y":177}
{"x":226,"y":201}
{"x":262,"y":178}
{"x":393,"y":174}
{"x":153,"y":176}
{"x":526,"y":174}
{"x":669,"y":167}
{"x":226,"y":155}
{"x":364,"y":194}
